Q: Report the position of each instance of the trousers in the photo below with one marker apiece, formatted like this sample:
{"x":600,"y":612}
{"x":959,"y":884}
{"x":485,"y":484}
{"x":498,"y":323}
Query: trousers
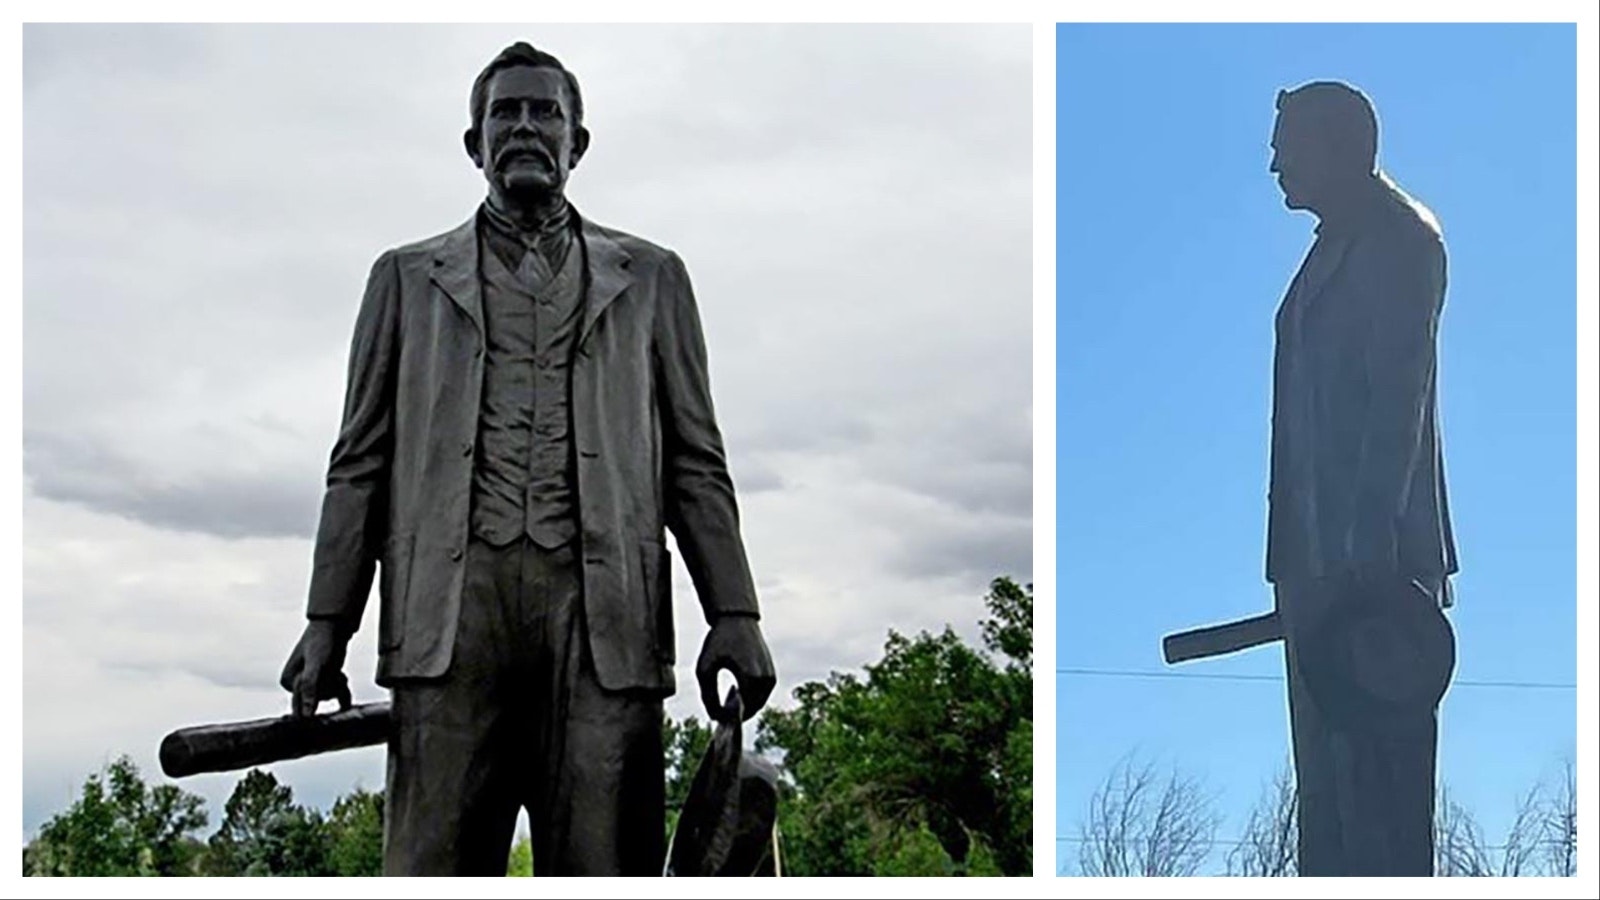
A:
{"x":519,"y":721}
{"x":1365,"y":789}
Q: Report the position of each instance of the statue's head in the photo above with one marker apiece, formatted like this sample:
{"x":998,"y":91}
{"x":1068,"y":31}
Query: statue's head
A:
{"x":527,"y":129}
{"x":1324,"y":142}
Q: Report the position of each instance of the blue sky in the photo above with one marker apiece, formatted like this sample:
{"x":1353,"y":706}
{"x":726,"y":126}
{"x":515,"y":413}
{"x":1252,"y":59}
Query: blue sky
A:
{"x":1174,"y":249}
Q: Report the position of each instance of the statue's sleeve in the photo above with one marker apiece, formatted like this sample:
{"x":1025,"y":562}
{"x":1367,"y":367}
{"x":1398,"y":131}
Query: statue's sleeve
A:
{"x":355,"y":504}
{"x":1400,"y":303}
{"x":700,"y":507}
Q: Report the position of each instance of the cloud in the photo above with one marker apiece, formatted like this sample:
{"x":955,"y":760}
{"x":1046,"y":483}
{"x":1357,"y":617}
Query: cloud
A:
{"x":202,"y":205}
{"x":78,"y":469}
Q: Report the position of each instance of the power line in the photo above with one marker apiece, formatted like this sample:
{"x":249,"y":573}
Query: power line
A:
{"x":1066,"y":839}
{"x":1278,"y":679}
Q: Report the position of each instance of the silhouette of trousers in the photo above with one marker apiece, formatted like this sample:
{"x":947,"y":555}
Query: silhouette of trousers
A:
{"x":1365,"y":788}
{"x":519,"y":721}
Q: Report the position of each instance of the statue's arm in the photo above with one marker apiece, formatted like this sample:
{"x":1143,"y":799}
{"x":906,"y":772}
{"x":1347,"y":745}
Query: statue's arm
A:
{"x":1400,"y":303}
{"x":698,"y":494}
{"x":354,"y":516}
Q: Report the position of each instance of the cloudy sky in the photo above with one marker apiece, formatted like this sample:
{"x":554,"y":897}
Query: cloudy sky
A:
{"x":201,"y":208}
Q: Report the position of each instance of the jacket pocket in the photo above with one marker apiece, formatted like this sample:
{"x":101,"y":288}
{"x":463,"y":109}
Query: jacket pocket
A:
{"x":394,"y":581}
{"x":656,"y":564}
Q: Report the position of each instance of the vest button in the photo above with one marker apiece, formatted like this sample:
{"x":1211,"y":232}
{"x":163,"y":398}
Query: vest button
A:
{"x":466,"y":448}
{"x":455,"y":554}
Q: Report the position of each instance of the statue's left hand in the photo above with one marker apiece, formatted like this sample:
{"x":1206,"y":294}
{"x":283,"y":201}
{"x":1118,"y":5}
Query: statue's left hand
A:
{"x":735,"y":644}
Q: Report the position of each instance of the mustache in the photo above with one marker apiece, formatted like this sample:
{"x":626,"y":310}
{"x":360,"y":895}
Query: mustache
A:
{"x":510,"y":151}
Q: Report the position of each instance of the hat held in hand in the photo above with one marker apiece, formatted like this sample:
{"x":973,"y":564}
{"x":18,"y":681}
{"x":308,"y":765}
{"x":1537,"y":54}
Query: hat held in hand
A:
{"x":1381,"y":649}
{"x":728,"y":822}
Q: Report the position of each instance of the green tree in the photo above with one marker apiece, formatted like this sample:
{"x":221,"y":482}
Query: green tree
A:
{"x":685,"y":745}
{"x":264,"y":833}
{"x":520,"y":865}
{"x":911,"y":851}
{"x":120,"y":826}
{"x":930,"y":750}
{"x":355,"y":834}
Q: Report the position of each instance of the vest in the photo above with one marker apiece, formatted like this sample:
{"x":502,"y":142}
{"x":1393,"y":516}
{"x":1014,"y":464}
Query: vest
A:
{"x":522,"y":475}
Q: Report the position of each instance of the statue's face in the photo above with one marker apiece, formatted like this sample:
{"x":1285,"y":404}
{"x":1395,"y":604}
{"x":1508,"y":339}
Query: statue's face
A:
{"x":1301,"y":162}
{"x":529,"y":143}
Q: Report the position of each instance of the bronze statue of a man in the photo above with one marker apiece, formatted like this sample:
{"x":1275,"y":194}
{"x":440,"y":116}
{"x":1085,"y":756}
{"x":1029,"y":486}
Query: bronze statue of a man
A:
{"x":1359,"y":548}
{"x":527,"y":410}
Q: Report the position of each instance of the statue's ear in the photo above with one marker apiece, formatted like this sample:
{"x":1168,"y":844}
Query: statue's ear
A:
{"x":580,"y":146}
{"x":470,"y":139}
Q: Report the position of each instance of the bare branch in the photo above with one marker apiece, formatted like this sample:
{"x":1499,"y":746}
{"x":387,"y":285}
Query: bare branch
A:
{"x":1139,"y":824}
{"x":1269,"y":846}
{"x":1459,"y":848}
{"x":1558,"y":825}
{"x":1522,"y":838}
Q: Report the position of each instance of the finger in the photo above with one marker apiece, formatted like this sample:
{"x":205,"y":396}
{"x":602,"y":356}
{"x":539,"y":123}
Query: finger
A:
{"x":305,"y":693}
{"x":755,"y":690}
{"x":342,"y":692}
{"x":708,"y":693}
{"x":291,"y":670}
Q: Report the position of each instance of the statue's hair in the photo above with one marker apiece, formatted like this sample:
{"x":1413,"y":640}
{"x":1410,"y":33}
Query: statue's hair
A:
{"x":521,"y":53}
{"x":1342,"y":115}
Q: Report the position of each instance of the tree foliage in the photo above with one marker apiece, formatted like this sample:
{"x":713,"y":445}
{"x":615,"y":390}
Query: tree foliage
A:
{"x":355,"y":834}
{"x":685,"y":744}
{"x":120,"y":826}
{"x":263,"y":832}
{"x":520,"y":865}
{"x":923,"y":765}
{"x":920,"y":765}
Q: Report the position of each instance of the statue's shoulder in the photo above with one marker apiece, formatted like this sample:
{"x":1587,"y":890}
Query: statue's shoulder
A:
{"x":438,"y":245}
{"x":644,"y":254}
{"x":1407,"y":221}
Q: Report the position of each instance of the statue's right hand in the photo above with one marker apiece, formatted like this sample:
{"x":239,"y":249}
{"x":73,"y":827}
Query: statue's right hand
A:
{"x":315,"y":670}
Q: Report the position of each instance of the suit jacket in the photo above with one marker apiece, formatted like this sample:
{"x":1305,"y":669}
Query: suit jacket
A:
{"x":1357,"y":479}
{"x":649,"y":456}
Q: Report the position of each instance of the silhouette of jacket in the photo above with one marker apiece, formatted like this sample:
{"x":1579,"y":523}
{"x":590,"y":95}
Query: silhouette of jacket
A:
{"x":1357,"y":480}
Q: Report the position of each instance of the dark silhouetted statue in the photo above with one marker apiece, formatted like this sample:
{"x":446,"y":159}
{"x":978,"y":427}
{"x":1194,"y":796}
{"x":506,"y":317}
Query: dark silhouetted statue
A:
{"x":527,"y":411}
{"x":1359,"y":543}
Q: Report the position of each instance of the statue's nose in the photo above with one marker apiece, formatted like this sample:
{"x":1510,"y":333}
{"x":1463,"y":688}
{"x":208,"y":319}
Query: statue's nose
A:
{"x":525,"y":121}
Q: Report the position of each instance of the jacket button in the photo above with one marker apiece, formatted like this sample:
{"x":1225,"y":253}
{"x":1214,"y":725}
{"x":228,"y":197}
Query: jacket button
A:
{"x":455,"y":554}
{"x":466,"y":448}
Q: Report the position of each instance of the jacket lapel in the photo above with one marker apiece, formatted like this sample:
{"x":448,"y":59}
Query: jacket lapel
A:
{"x":455,"y":270}
{"x":1320,"y":269}
{"x":608,"y":275}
